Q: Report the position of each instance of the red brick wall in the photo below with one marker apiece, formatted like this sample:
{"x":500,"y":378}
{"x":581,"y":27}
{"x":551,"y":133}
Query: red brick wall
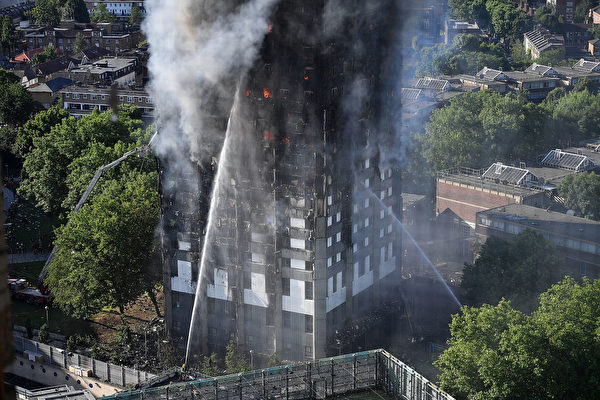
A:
{"x":465,"y":201}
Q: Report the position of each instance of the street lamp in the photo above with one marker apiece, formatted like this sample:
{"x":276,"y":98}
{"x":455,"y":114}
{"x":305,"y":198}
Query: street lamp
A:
{"x":252,"y":358}
{"x":47,"y":319}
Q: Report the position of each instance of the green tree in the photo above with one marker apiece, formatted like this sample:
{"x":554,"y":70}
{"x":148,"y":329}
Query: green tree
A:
{"x":75,"y":9}
{"x":211,"y":365}
{"x":582,"y":10}
{"x":16,"y":104}
{"x":7,"y":77}
{"x":36,"y":127}
{"x":548,"y":18}
{"x":470,"y":10}
{"x":552,"y":57}
{"x":48,"y":54}
{"x":477,"y":129}
{"x":47,"y":166}
{"x":518,"y":270}
{"x":582,"y":194}
{"x":576,"y":116}
{"x":43,"y":334}
{"x":102,"y":253}
{"x":497,"y":352}
{"x":235,"y":361}
{"x":80,"y":43}
{"x":47,"y":12}
{"x":101,"y":14}
{"x":8,"y":37}
{"x":135,"y":16}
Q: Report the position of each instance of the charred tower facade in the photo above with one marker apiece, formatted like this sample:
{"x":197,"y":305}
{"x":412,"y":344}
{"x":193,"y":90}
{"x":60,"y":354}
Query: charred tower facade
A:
{"x":301,"y":240}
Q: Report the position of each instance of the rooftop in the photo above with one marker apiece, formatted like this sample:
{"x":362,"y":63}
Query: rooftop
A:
{"x":568,"y":160}
{"x":51,"y":86}
{"x":433,"y":84}
{"x":542,"y":39}
{"x":551,"y":221}
{"x":589,"y":66}
{"x":506,"y":173}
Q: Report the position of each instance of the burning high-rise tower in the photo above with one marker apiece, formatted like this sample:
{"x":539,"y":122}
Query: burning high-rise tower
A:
{"x":293,"y":237}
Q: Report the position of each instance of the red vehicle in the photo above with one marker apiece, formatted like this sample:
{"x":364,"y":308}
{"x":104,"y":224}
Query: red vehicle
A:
{"x":21,"y":290}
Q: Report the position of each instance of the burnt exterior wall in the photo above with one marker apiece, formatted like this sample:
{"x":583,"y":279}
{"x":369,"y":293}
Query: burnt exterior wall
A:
{"x":304,"y":235}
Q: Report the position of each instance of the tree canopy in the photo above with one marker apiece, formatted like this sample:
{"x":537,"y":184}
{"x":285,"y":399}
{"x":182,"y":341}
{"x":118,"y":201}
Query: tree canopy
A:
{"x":477,"y":129}
{"x":49,"y":53}
{"x":135,"y":16}
{"x":8,"y":37}
{"x":47,"y":12}
{"x":466,"y":55}
{"x":518,"y":270}
{"x":103,"y":252}
{"x":582,"y":194}
{"x":501,"y":17}
{"x":499,"y":353}
{"x":75,"y":9}
{"x":16,"y":104}
{"x":52,"y":174}
{"x":100,"y":13}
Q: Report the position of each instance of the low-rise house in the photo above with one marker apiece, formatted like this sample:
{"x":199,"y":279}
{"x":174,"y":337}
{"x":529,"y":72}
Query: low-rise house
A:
{"x":594,"y":46}
{"x":537,"y":86}
{"x":487,"y":78}
{"x":541,"y":40}
{"x":569,"y":76}
{"x":80,"y":100}
{"x":577,"y":239}
{"x":47,"y":93}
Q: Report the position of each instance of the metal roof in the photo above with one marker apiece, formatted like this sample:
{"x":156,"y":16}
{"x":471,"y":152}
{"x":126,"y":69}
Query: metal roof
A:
{"x":565,"y":160}
{"x":585,"y":65}
{"x":491,"y":74}
{"x":507,"y":174}
{"x":411,"y":94}
{"x":433,"y":84}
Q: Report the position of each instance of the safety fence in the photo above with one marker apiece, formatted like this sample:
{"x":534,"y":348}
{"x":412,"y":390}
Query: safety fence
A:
{"x":369,"y":370}
{"x":79,"y":364}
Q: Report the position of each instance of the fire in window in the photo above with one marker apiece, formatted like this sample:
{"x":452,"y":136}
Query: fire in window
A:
{"x":267,"y":93}
{"x":269,"y":135}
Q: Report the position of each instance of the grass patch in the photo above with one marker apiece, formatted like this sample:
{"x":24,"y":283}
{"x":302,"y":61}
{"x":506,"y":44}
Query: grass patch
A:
{"x":29,"y":229}
{"x":59,"y":322}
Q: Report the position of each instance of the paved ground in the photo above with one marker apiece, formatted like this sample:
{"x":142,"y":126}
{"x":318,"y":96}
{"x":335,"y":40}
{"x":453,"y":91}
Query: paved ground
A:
{"x":20,"y":258}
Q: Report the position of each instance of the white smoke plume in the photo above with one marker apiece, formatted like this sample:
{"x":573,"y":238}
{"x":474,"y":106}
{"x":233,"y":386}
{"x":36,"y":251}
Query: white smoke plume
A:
{"x":196,"y":47}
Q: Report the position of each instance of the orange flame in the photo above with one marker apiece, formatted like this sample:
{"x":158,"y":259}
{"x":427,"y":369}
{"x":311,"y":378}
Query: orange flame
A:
{"x":268,"y":135}
{"x":270,"y":28}
{"x":248,"y":92}
{"x":267,"y":93}
{"x":305,"y":77}
{"x":287,"y":140}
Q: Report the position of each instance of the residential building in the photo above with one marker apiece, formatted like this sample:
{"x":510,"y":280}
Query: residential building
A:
{"x":594,"y":46}
{"x":541,"y":40}
{"x":120,"y":8}
{"x":47,"y":93}
{"x":577,"y":239}
{"x":113,"y":37}
{"x":453,"y":27}
{"x":595,"y":15}
{"x":121,"y":71}
{"x":305,"y":240}
{"x":80,"y":100}
{"x":565,"y":8}
{"x":568,"y":76}
{"x":487,"y":78}
{"x":537,"y":86}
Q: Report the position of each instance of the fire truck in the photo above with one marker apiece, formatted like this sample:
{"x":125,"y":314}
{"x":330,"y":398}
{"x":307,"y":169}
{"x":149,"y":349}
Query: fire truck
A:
{"x":21,"y":290}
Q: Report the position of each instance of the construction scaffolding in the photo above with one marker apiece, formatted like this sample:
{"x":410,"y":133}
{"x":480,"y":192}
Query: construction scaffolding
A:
{"x":320,"y":379}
